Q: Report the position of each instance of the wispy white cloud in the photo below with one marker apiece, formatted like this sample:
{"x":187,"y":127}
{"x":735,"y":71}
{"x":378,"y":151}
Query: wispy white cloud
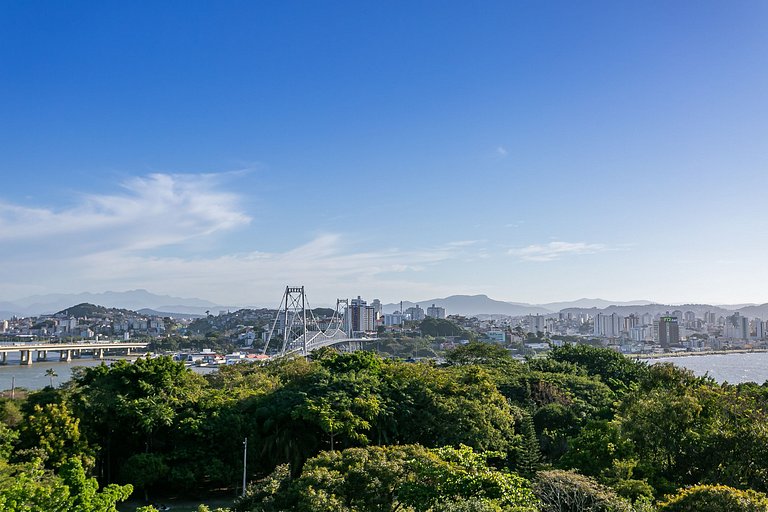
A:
{"x":556,"y":250}
{"x":328,"y":265}
{"x":153,"y":211}
{"x":146,"y":236}
{"x":501,"y":152}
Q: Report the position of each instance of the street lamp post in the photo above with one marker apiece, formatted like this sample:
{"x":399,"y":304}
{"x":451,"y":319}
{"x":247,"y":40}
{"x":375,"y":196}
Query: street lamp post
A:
{"x":245,"y":461}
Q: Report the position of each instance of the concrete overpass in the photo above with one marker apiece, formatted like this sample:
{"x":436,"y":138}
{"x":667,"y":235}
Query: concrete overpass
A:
{"x":65,"y":350}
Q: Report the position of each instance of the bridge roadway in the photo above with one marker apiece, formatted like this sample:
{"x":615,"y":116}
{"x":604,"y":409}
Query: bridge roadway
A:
{"x":65,"y":350}
{"x":318,"y":339}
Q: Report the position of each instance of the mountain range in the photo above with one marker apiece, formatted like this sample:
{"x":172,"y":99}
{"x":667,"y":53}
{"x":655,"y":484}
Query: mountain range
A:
{"x":132,"y":299}
{"x":467,"y":305}
{"x":472,"y":305}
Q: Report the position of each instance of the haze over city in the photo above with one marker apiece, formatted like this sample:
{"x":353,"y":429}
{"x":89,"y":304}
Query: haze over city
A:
{"x":533,"y":152}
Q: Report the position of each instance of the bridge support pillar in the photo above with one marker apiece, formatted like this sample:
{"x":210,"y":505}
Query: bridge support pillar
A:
{"x":4,"y":359}
{"x":65,"y":355}
{"x":42,"y":355}
{"x":100,"y":353}
{"x":26,"y":357}
{"x":128,"y":351}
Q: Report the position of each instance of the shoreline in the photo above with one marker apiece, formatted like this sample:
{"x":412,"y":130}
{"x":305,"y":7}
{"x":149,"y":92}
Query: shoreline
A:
{"x":657,"y":355}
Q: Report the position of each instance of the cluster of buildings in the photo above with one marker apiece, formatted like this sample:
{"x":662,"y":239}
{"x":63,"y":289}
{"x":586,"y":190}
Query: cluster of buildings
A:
{"x":415,"y":313}
{"x":683,"y":329}
{"x":63,"y":326}
{"x":364,"y":317}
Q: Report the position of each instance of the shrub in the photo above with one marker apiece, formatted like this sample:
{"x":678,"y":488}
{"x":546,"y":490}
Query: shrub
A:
{"x":715,"y":498}
{"x":566,"y":491}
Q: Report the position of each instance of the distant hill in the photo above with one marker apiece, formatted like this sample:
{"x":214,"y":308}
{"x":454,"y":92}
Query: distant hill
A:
{"x":132,"y":300}
{"x":592,"y":303}
{"x":760,"y":311}
{"x":92,"y":311}
{"x":473,"y":305}
{"x":153,"y":312}
{"x":652,"y":309}
{"x":470,"y":305}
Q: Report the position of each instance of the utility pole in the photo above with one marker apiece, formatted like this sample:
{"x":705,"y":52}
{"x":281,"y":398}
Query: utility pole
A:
{"x":245,"y":461}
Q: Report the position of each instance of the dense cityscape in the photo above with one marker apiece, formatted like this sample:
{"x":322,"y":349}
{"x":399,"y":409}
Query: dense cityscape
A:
{"x":644,"y":330}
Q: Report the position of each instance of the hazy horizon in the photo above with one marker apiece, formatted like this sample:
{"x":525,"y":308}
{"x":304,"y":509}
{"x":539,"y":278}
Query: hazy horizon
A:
{"x":529,"y":152}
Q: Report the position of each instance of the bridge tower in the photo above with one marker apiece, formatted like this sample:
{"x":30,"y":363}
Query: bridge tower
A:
{"x":292,"y":317}
{"x":302,"y":332}
{"x":343,"y":315}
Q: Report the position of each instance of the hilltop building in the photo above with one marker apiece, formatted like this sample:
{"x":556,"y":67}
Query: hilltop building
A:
{"x":416,"y":313}
{"x":436,"y":312}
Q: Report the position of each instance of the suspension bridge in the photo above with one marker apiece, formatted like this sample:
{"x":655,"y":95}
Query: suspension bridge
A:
{"x":297,"y":330}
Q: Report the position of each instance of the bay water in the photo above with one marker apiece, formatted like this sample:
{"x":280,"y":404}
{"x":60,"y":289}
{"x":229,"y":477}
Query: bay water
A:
{"x":732,"y":368}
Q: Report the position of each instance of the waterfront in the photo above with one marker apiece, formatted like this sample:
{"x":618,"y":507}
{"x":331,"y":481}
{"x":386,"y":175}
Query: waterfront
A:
{"x":731,"y":368}
{"x":33,"y":377}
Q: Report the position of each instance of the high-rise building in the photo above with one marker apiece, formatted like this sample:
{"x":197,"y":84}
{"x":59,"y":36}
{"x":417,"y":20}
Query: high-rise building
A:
{"x":537,"y":323}
{"x":360,"y":317}
{"x":416,"y":313}
{"x":631,"y":322}
{"x":609,"y":326}
{"x":669,"y":331}
{"x":758,"y":329}
{"x":436,"y":311}
{"x":737,"y":327}
{"x":396,"y":318}
{"x":376,"y":303}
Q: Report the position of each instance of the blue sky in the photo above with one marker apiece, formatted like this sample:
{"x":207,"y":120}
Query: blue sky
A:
{"x":532,"y":151}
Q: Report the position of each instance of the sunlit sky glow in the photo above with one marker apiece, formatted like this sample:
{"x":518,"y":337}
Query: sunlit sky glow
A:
{"x":530,"y":151}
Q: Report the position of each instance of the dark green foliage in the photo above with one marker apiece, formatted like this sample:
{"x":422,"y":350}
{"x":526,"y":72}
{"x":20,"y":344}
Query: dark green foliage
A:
{"x":144,"y":470}
{"x":639,"y":430}
{"x":480,"y":353}
{"x":614,"y":369}
{"x":391,"y":478}
{"x":595,"y":448}
{"x":440,"y":327}
{"x":528,"y":457}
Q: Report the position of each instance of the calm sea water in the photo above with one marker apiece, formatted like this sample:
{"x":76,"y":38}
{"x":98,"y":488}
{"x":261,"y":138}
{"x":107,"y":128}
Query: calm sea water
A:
{"x":34,"y":377}
{"x":732,"y":368}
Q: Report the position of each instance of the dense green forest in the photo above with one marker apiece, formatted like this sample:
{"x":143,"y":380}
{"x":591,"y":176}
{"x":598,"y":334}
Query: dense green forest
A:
{"x":583,"y":428}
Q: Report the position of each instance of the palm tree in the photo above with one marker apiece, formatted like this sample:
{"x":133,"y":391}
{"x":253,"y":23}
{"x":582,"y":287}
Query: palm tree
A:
{"x":51,"y":373}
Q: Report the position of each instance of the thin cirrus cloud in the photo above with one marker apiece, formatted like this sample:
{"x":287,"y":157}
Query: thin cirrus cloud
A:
{"x":556,"y":250}
{"x":136,"y":238}
{"x":327,"y":265}
{"x":151,"y":212}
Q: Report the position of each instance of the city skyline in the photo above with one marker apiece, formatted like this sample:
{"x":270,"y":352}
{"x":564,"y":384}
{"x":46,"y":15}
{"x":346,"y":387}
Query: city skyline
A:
{"x":530,"y":152}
